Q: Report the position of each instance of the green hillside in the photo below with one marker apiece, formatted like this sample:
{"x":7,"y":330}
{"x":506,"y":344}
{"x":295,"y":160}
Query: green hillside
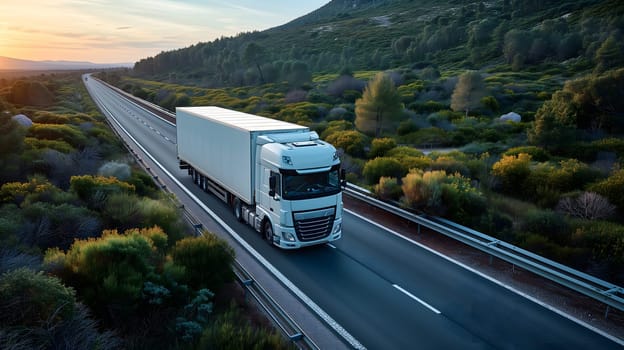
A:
{"x":391,"y":34}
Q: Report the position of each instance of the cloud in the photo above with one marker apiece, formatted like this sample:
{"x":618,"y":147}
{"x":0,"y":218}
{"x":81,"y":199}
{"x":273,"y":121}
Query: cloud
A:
{"x":123,"y":28}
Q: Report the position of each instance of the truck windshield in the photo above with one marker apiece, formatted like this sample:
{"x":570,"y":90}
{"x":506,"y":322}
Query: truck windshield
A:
{"x":300,"y":186}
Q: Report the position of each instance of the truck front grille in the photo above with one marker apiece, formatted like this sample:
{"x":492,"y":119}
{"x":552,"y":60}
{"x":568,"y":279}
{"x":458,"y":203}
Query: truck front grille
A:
{"x":314,"y":225}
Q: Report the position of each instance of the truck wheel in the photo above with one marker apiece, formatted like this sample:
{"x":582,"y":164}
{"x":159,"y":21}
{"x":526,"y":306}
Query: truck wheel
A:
{"x":268,"y":232}
{"x":237,"y":207}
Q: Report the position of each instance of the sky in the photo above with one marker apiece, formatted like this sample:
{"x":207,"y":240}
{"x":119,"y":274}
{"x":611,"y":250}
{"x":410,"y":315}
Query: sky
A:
{"x":125,"y":31}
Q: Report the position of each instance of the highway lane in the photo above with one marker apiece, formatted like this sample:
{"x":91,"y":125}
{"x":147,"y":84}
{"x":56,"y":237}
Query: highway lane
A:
{"x":383,"y":290}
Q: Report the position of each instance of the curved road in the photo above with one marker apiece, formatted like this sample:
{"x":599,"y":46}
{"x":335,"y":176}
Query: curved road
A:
{"x":387,"y":292}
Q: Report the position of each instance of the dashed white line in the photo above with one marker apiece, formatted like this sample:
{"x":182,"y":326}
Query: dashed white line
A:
{"x":417,"y":299}
{"x":331,"y":245}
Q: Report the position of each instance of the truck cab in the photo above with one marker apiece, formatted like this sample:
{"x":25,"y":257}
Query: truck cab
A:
{"x":299,"y":184}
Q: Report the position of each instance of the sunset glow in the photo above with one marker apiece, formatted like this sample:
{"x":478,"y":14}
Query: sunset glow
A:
{"x":102,"y":31}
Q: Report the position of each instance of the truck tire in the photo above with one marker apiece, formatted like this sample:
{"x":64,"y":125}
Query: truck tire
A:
{"x":237,"y":208}
{"x":268,"y":232}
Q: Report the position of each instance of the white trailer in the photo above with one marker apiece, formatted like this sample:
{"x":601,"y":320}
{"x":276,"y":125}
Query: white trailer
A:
{"x":278,"y":177}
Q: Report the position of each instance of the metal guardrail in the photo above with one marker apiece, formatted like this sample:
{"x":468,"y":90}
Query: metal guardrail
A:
{"x":608,"y":293}
{"x":273,"y":310}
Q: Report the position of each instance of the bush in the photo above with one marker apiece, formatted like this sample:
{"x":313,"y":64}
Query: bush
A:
{"x":31,"y":299}
{"x":588,"y":205}
{"x":118,"y":170}
{"x":110,"y":272}
{"x":612,"y":188}
{"x":380,"y":146}
{"x":351,"y":141}
{"x":93,"y":189}
{"x":537,"y":153}
{"x":207,"y":261}
{"x":388,"y":188}
{"x":59,"y":132}
{"x":513,"y":172}
{"x":605,"y":240}
{"x":232,"y":331}
{"x":382,"y":166}
{"x":547,"y":223}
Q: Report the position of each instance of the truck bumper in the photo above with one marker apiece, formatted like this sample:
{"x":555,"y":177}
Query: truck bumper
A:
{"x":286,"y":238}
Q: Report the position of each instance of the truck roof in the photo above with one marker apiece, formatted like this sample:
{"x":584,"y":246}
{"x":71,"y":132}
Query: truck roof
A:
{"x":240,"y":120}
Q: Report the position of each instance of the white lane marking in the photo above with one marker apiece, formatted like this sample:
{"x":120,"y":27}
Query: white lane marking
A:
{"x":495,"y":281}
{"x":417,"y":299}
{"x":304,"y":298}
{"x":331,"y":245}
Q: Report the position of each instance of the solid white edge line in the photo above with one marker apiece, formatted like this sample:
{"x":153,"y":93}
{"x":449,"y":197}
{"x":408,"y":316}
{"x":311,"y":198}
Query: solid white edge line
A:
{"x":493,"y":280}
{"x":417,"y":299}
{"x":317,"y":309}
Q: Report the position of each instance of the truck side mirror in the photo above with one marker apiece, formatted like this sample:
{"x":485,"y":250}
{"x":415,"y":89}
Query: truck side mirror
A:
{"x":343,"y":178}
{"x":272,"y":184}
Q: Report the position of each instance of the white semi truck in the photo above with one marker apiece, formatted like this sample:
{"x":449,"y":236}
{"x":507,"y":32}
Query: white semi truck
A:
{"x":278,"y":177}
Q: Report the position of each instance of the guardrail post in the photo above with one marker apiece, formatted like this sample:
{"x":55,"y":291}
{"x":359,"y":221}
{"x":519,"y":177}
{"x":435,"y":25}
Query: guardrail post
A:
{"x":491,"y":259}
{"x":418,"y":230}
{"x":607,"y":312}
{"x":246,"y":283}
{"x":198,"y":228}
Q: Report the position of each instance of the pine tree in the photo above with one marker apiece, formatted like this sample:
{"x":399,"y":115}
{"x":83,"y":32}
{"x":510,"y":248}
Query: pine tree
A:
{"x":379,"y":105}
{"x":469,"y":91}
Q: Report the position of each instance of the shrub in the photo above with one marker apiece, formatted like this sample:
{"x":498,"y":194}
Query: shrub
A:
{"x":207,"y":261}
{"x":604,"y":239}
{"x":231,"y":331}
{"x":513,"y":172}
{"x":118,"y":170}
{"x":30,"y":299}
{"x":382,"y":166}
{"x":388,"y":188}
{"x":612,"y":188}
{"x":334,"y":126}
{"x":351,"y":141}
{"x":380,"y":146}
{"x":94,"y":188}
{"x":588,"y":205}
{"x":547,"y":223}
{"x":110,"y":272}
{"x":537,"y":153}
{"x":59,"y":132}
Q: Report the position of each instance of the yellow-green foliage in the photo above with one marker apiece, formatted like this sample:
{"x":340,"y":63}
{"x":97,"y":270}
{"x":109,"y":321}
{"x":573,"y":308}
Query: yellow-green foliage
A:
{"x":513,"y":172}
{"x":402,"y":151}
{"x":207,"y":261}
{"x":112,"y":268}
{"x":232,"y":331}
{"x":86,"y":186}
{"x":37,"y":188}
{"x":382,"y":166}
{"x":299,"y":113}
{"x":62,"y":132}
{"x":336,"y":125}
{"x":388,"y":188}
{"x":380,"y":146}
{"x":612,"y":188}
{"x":30,"y":299}
{"x":443,"y":194}
{"x":351,"y":141}
{"x":58,"y":145}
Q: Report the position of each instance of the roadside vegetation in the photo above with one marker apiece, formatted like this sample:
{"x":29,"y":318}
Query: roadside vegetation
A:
{"x":505,"y":117}
{"x":92,"y":253}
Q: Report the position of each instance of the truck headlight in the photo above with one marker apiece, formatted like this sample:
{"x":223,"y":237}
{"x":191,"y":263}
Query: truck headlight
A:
{"x":337,"y":228}
{"x":288,"y":236}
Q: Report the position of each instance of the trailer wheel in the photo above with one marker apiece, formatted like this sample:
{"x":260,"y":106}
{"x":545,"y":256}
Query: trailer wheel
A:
{"x":268,"y":232}
{"x":237,"y":208}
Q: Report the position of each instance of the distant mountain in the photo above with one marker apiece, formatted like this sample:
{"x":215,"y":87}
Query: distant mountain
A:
{"x":7,"y":63}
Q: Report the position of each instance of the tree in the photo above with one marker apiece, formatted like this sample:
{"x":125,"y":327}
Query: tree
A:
{"x":254,"y":54}
{"x":469,"y":91}
{"x":610,"y":54}
{"x":379,"y":105}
